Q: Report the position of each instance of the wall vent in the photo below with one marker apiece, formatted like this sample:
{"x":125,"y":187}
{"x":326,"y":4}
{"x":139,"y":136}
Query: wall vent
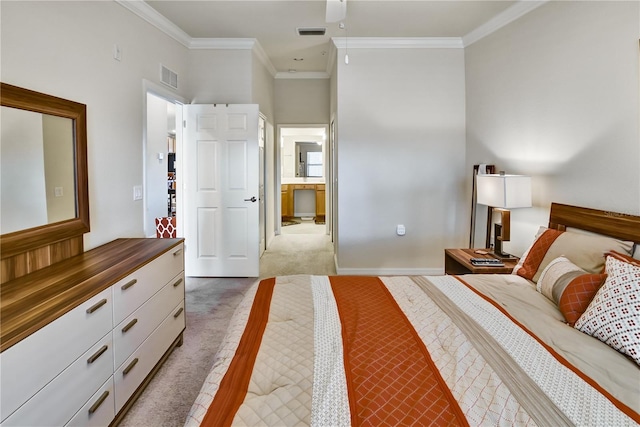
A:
{"x":314,"y":31}
{"x":168,"y":77}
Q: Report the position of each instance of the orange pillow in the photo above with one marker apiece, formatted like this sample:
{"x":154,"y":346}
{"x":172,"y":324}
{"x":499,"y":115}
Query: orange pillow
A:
{"x":578,"y":294}
{"x":623,"y":258}
{"x":536,"y":253}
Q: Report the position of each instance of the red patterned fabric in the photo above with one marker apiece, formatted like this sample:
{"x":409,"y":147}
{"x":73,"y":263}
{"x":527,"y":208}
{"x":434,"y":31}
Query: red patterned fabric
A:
{"x":613,"y":316}
{"x":536,"y":253}
{"x":391,"y":377}
{"x":578,"y":294}
{"x":166,"y":227}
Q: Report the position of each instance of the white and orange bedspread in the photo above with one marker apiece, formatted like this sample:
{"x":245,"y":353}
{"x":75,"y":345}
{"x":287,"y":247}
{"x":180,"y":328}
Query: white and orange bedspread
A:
{"x":372,"y":351}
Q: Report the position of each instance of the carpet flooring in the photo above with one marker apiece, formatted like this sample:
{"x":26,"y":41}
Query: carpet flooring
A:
{"x":300,"y":249}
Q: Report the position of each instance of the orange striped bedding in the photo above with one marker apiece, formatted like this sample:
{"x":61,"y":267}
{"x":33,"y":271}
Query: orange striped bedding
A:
{"x":446,"y":350}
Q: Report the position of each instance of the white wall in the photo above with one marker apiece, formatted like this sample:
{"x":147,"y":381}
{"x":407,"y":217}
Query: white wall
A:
{"x":401,"y":147}
{"x":220,"y":76}
{"x":301,"y":101}
{"x":66,"y":49}
{"x":555,"y":95}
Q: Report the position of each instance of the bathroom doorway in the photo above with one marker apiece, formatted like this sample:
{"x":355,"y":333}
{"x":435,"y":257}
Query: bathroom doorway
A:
{"x":303,"y":160}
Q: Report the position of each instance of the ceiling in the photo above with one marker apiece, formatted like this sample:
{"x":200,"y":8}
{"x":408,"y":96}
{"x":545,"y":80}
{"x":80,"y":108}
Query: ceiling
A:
{"x":274,"y":23}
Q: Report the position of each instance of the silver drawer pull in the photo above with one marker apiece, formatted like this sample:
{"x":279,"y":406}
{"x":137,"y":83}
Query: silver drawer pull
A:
{"x":180,"y":310}
{"x":130,"y":367}
{"x":178,"y":252}
{"x":129,"y":284}
{"x":96,"y":306}
{"x":177,"y":283}
{"x":97,"y":354}
{"x":96,"y":405}
{"x":129,"y":325}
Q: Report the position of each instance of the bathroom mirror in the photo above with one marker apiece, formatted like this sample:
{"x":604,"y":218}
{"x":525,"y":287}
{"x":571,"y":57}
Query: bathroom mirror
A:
{"x":308,"y":159}
{"x":44,"y":170}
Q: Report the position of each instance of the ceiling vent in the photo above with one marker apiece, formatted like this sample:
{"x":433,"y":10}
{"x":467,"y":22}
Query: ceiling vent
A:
{"x":168,"y":77}
{"x":314,"y":31}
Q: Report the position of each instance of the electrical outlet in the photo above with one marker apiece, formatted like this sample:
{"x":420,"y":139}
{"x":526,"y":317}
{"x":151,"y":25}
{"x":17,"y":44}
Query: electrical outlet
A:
{"x":400,"y":230}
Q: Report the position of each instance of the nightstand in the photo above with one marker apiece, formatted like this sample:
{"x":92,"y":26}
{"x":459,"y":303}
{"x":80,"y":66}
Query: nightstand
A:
{"x":457,"y":261}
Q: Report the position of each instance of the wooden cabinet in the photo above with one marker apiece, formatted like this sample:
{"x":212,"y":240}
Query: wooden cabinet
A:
{"x":81,"y":338}
{"x":320,"y":203}
{"x":287,"y":201}
{"x":288,"y":205}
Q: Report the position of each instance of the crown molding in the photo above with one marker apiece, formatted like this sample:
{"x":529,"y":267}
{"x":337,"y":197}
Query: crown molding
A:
{"x":398,"y":42}
{"x":222,"y":43}
{"x":502,"y":19}
{"x":264,"y":58}
{"x":152,"y":16}
{"x":302,"y":75}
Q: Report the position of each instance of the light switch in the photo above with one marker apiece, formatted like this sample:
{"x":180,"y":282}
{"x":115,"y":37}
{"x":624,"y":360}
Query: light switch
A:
{"x":400,"y":230}
{"x":137,"y":192}
{"x":57,"y":191}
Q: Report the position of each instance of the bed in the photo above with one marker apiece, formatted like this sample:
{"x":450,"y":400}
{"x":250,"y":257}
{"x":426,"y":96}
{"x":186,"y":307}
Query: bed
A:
{"x":557,"y":342}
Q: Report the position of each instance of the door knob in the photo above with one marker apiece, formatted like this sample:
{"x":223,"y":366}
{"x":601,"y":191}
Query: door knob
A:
{"x":253,"y":199}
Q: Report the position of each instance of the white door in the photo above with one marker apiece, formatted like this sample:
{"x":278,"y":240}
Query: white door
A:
{"x":220,"y":172}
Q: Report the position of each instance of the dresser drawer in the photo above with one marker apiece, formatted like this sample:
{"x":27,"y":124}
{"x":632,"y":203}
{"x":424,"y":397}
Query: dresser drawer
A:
{"x":132,"y":291}
{"x":132,"y":331}
{"x":59,"y":400}
{"x":36,"y":360}
{"x":131,"y":373}
{"x":99,"y":411}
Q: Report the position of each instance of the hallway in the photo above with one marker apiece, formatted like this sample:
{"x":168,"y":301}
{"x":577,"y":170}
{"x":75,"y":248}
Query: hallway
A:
{"x":300,"y":249}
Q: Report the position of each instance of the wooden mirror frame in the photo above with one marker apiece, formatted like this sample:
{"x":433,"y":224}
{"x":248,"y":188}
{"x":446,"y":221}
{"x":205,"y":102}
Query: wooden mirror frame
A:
{"x":18,"y":242}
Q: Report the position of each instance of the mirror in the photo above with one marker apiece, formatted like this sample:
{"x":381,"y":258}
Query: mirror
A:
{"x":308,"y":159}
{"x":302,"y":153}
{"x":44,"y":170}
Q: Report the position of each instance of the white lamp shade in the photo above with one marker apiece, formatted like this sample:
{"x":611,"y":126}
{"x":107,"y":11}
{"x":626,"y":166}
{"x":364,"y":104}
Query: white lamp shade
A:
{"x":504,"y":191}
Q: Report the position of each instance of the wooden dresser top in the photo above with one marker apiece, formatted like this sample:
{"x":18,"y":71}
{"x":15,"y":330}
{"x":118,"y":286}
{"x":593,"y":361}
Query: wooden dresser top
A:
{"x":30,"y":302}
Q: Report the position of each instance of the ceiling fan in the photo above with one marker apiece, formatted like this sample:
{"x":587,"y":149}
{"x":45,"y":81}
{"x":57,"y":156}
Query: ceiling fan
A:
{"x":336,"y":10}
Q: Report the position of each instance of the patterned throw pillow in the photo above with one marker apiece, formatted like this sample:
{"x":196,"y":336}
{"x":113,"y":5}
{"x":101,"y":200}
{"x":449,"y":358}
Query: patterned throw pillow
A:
{"x":578,"y":294}
{"x":531,"y":260}
{"x":613,"y":316}
{"x":569,"y":287}
{"x":556,"y":276}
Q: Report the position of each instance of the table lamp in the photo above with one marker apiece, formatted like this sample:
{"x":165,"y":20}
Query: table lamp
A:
{"x":503,"y":192}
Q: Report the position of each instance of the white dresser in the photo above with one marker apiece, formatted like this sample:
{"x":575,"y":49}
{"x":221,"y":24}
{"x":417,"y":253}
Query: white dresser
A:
{"x":81,"y":339}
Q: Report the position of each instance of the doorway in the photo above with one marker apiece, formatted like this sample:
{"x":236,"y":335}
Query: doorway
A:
{"x":161,"y":157}
{"x":303,"y":155}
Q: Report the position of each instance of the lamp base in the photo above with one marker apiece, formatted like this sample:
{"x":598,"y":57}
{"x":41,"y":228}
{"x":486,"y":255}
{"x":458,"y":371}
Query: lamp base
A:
{"x":497,"y":245}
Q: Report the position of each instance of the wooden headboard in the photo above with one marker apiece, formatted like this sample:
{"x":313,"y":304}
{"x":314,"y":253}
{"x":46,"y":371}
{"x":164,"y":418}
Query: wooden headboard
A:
{"x":619,"y":225}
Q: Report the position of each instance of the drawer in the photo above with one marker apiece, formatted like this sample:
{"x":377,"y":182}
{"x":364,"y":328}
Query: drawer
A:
{"x":99,"y":411}
{"x":304,"y":187}
{"x":132,"y":331}
{"x":33,"y":362}
{"x":59,"y":400}
{"x":133,"y":371}
{"x":132,"y":291}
